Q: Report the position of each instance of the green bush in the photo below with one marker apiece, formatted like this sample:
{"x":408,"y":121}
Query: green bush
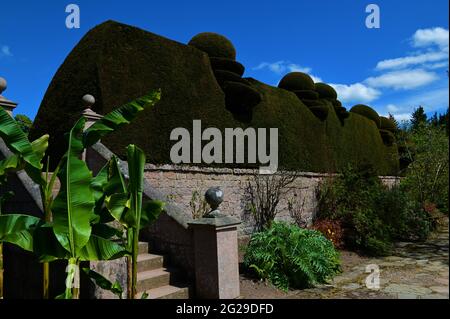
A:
{"x":289,"y":256}
{"x":214,"y":44}
{"x":367,"y":112}
{"x":297,"y":81}
{"x":227,"y":64}
{"x":326,"y":91}
{"x":372,"y":215}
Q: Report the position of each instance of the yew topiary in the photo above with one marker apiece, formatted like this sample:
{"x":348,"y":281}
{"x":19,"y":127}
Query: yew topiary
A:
{"x":388,"y":137}
{"x":222,"y":76}
{"x":227,"y":64}
{"x":239,"y":97}
{"x":326,"y":91}
{"x":367,"y":112}
{"x":321,"y":112}
{"x":387,"y":124}
{"x":306,"y":94}
{"x":214,"y":44}
{"x":295,"y":81}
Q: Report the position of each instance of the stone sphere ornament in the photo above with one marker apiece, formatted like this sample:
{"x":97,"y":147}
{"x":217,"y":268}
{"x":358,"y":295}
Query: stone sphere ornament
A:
{"x":214,"y":197}
{"x":3,"y":85}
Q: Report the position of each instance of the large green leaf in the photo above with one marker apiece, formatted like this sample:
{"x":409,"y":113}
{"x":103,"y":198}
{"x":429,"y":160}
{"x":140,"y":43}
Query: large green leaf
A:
{"x":18,"y":143}
{"x":99,"y":248}
{"x":119,"y":117}
{"x":136,"y":163}
{"x":118,"y":206}
{"x":73,"y":207}
{"x":151,"y":212}
{"x":46,"y":246}
{"x":18,"y":229}
{"x":104,"y":283}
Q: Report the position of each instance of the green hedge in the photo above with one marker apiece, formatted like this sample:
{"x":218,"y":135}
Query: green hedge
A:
{"x":240,"y":97}
{"x":227,"y":64}
{"x":214,"y":44}
{"x":321,"y":112}
{"x":387,"y":124}
{"x":326,"y":91}
{"x":222,"y":76}
{"x":190,"y":91}
{"x":297,"y":81}
{"x":306,"y":94}
{"x":367,"y":112}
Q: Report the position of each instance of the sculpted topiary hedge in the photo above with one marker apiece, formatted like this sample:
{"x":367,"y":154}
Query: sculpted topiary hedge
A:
{"x":367,"y":112}
{"x":296,"y":81}
{"x":190,"y":91}
{"x":215,"y":45}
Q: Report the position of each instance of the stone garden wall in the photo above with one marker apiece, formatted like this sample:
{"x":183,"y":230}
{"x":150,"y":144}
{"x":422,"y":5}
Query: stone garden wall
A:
{"x":179,"y":183}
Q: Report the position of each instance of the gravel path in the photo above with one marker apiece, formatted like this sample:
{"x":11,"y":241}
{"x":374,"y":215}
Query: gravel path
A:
{"x":414,"y":271}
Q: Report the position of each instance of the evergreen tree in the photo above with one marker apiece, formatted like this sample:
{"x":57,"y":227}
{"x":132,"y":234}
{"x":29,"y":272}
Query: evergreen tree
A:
{"x":418,"y":118}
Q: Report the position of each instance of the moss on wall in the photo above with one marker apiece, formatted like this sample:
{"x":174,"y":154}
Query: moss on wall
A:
{"x":117,"y":63}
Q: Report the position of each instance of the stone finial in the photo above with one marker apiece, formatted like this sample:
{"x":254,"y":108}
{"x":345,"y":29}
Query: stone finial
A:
{"x":214,"y":197}
{"x":88,"y":101}
{"x":8,"y":105}
{"x":3,"y":85}
{"x":91,"y":117}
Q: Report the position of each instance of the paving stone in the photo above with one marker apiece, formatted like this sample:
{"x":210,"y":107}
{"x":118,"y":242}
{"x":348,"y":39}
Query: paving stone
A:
{"x":440,"y":289}
{"x":407,"y":289}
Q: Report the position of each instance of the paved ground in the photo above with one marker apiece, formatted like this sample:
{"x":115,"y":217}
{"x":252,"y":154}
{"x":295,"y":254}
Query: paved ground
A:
{"x":414,"y":271}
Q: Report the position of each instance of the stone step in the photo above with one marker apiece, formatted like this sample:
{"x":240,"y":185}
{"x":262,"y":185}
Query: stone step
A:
{"x":143,"y":247}
{"x":151,"y":279}
{"x":166,"y":292}
{"x":149,"y":262}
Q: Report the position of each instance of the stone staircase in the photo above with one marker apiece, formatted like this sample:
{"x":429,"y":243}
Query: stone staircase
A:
{"x":156,"y":279}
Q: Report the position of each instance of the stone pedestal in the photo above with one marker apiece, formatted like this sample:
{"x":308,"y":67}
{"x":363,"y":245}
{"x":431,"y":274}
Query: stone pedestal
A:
{"x":216,"y":257}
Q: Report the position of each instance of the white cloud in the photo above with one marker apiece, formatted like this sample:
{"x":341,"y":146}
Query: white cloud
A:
{"x":402,"y":116}
{"x":281,"y":67}
{"x":402,"y":80}
{"x":5,"y":51}
{"x":411,"y":60}
{"x":429,"y":37}
{"x":357,"y":93}
{"x":392,"y":108}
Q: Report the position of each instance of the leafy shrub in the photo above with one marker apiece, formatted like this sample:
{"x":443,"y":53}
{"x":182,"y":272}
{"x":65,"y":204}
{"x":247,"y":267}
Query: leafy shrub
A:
{"x":332,"y":230}
{"x":367,"y":112}
{"x":289,"y":256}
{"x":371,"y":215}
{"x":296,"y":81}
{"x":214,"y":44}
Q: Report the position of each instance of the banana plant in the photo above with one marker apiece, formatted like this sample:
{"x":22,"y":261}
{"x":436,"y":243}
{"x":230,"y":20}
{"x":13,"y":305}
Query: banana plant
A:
{"x":76,"y":231}
{"x":127,"y":208}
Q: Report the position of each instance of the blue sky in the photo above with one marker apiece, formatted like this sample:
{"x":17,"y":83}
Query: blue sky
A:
{"x":395,"y":68}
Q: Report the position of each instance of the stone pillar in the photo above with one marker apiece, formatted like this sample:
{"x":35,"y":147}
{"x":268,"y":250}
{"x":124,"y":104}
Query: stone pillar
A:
{"x":90,"y":116}
{"x":216,"y":255}
{"x":8,"y":105}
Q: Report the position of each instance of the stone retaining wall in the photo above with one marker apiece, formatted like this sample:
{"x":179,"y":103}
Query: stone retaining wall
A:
{"x":178,"y":183}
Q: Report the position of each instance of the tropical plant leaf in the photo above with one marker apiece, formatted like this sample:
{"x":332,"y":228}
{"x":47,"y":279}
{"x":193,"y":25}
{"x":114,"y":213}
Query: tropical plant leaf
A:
{"x":16,"y":140}
{"x":119,"y":117}
{"x":103,"y":282}
{"x":151,"y":212}
{"x":118,"y":205}
{"x":46,"y":246}
{"x":136,"y":163}
{"x":18,"y":229}
{"x":105,"y":231}
{"x":73,"y":207}
{"x":98,"y":248}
